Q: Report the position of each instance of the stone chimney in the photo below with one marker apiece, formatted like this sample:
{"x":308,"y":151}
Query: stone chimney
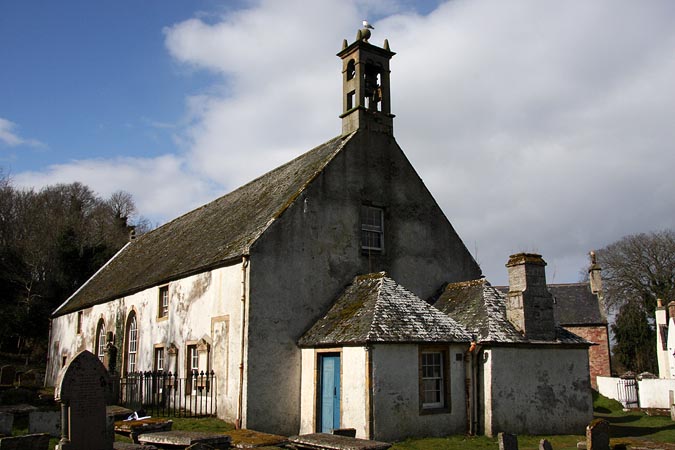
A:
{"x":594,"y":277}
{"x":529,"y":305}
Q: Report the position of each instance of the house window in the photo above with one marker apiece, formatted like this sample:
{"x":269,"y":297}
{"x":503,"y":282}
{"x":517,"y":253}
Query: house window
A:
{"x":132,"y":342}
{"x":372,"y":228}
{"x":192,"y":369}
{"x":100,"y":340}
{"x":159,"y":359}
{"x":163,"y":307}
{"x":433,"y":380}
{"x":79,"y":322}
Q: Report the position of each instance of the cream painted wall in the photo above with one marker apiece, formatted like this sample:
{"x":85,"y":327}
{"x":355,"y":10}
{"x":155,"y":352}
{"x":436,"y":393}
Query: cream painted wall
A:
{"x":354,"y":403}
{"x":664,"y":356}
{"x":204,"y":306}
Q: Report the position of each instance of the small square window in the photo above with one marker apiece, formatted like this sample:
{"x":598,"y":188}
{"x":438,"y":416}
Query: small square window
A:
{"x":372,"y":228}
{"x":163,"y":306}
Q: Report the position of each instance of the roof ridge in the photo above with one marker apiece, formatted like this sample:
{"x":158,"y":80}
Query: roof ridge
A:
{"x":377,"y":306}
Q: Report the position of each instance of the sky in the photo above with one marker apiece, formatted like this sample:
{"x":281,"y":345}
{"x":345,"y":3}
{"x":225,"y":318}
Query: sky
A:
{"x":538,"y":125}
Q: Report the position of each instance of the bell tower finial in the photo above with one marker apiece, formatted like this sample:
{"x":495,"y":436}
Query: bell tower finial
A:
{"x":365,"y":85}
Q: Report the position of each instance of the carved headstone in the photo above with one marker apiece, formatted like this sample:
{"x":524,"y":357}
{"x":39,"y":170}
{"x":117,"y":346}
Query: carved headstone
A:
{"x":508,"y":441}
{"x":6,"y":423}
{"x":81,"y":388}
{"x":7,"y":375}
{"x":45,"y":422}
{"x":597,"y":435}
{"x":30,"y":378}
{"x":544,"y":444}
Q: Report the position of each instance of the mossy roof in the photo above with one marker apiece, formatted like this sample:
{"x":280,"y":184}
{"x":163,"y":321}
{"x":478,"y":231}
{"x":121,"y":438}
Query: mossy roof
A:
{"x":376,"y":309}
{"x":210,"y":236}
{"x":481,"y":309}
{"x":575,"y":304}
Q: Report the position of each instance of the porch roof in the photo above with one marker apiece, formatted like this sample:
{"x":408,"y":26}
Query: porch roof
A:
{"x":374,"y":308}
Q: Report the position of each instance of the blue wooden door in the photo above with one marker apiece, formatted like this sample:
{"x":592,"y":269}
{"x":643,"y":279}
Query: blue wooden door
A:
{"x":329,"y":392}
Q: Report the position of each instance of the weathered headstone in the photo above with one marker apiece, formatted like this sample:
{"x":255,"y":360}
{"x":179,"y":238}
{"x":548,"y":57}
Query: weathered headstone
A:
{"x":6,"y":424}
{"x":597,"y":435}
{"x":81,"y":388}
{"x":45,"y":422}
{"x":7,"y":375}
{"x":507,"y":441}
{"x":30,"y":378}
{"x":671,"y":396}
{"x":544,"y":444}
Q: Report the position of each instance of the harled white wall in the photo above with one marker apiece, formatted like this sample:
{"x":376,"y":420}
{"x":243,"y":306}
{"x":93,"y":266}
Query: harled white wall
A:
{"x":207,"y":305}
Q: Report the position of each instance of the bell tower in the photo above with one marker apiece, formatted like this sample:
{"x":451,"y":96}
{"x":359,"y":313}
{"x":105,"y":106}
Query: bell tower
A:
{"x":366,"y":101}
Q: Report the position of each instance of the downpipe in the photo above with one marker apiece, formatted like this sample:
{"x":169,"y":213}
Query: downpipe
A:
{"x":240,"y":397}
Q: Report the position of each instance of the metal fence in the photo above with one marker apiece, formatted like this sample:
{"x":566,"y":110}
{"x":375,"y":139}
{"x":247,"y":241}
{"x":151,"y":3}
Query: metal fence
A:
{"x":165,"y":394}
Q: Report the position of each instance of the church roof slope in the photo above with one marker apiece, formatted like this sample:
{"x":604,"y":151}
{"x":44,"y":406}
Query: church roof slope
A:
{"x":207,"y":237}
{"x":481,"y":309}
{"x":374,"y":308}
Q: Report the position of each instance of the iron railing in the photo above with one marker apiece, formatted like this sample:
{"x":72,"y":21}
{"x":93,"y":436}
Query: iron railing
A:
{"x":165,"y":394}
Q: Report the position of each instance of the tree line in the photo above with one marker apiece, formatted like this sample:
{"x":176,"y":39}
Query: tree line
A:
{"x":636,"y":271}
{"x":51,"y":241}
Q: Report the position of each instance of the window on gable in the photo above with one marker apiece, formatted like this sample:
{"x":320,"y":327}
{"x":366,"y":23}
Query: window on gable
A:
{"x":79,"y":321}
{"x":433,"y":380}
{"x":100,"y":340}
{"x":372,"y":228}
{"x":163,"y":305}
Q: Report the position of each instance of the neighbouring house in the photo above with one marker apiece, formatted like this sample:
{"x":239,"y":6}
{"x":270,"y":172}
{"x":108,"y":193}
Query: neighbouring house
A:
{"x":665,"y":339}
{"x":579,"y":308}
{"x":530,"y":374}
{"x":302,"y":291}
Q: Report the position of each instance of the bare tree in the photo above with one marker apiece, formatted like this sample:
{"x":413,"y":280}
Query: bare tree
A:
{"x":639,"y":267}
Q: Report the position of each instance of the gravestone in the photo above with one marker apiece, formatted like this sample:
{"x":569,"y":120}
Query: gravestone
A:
{"x":507,"y":441}
{"x":26,"y":442}
{"x":7,"y":375}
{"x":45,"y":422}
{"x":6,"y":423}
{"x":30,"y":378}
{"x":81,"y":389}
{"x":597,"y":435}
{"x":544,"y":444}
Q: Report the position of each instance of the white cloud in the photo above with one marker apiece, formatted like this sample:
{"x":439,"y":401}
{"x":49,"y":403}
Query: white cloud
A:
{"x":9,"y":137}
{"x":538,"y":125}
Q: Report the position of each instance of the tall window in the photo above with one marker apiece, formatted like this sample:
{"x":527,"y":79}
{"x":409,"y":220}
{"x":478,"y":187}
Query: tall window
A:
{"x":433,"y":379}
{"x":100,"y":340}
{"x":163,"y":306}
{"x":372,"y":228}
{"x":132,"y":342}
{"x":159,"y":359}
{"x":79,"y":321}
{"x":192,"y":368}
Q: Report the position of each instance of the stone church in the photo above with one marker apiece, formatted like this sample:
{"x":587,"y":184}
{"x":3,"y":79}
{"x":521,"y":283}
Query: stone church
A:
{"x":308,"y":292}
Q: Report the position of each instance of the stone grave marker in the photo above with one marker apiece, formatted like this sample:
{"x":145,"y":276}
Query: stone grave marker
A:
{"x":81,"y":389}
{"x":26,"y":442}
{"x":30,"y":378}
{"x":6,"y":423}
{"x":544,"y":444}
{"x":7,"y":375}
{"x":507,"y":441}
{"x":597,"y":435}
{"x":45,"y":422}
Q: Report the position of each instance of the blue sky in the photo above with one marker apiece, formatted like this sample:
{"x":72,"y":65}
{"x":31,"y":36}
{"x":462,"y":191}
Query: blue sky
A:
{"x":538,"y":125}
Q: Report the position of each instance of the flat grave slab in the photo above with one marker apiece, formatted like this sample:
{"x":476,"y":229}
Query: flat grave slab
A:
{"x":254,"y":439}
{"x":335,"y":442}
{"x":182,"y":439}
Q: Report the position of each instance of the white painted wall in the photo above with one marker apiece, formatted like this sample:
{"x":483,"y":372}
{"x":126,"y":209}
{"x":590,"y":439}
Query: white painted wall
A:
{"x":396,"y":402}
{"x":655,"y":393}
{"x":308,"y":381}
{"x":671,"y":347}
{"x":663,"y":356}
{"x":537,"y":390}
{"x":608,"y":386}
{"x":206,"y":305}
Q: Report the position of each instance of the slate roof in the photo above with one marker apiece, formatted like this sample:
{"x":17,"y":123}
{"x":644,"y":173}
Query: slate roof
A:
{"x":207,"y":237}
{"x":481,"y":309}
{"x":374,"y":308}
{"x":575,"y":304}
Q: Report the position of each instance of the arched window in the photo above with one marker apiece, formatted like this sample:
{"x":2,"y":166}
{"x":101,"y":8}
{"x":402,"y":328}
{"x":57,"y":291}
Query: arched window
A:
{"x":131,"y":342}
{"x":100,"y":340}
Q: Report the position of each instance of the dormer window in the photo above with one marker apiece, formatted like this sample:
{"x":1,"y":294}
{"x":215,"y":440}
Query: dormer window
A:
{"x":372,"y":228}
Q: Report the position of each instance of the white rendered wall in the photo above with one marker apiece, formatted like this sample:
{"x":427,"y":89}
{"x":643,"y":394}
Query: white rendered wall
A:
{"x":204,"y":306}
{"x":655,"y":393}
{"x":396,"y":402}
{"x":662,"y":355}
{"x":671,"y":346}
{"x":308,"y":391}
{"x":538,"y":390}
{"x":608,"y":386}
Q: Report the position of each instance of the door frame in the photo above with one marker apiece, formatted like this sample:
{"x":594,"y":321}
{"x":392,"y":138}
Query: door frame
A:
{"x":320,"y":354}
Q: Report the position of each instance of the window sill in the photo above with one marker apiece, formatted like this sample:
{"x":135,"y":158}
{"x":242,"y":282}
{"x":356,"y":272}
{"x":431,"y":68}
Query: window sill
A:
{"x":430,"y":411}
{"x":163,"y":318}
